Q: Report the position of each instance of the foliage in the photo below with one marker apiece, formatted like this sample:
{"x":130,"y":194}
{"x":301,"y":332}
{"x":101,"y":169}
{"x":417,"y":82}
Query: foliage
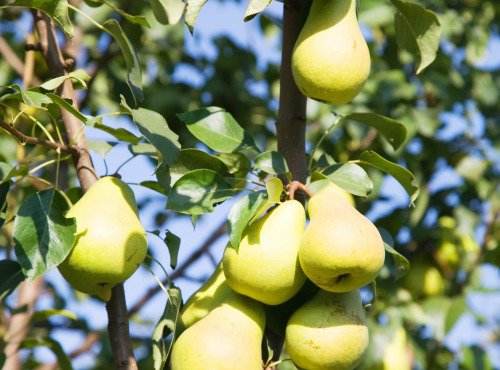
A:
{"x":419,"y":148}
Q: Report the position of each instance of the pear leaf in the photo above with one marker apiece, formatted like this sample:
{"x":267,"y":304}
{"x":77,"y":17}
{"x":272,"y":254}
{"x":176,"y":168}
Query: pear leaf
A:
{"x":236,"y":163}
{"x":173,"y":243}
{"x":155,"y":129}
{"x":392,"y":130}
{"x":63,"y":361}
{"x":31,"y":97}
{"x":68,"y":106}
{"x":417,"y":30}
{"x":350,"y":177}
{"x":137,"y":19}
{"x":46,"y":314}
{"x":217,"y":129}
{"x":198,"y":191}
{"x":4,"y":190}
{"x":255,"y":7}
{"x":400,"y":262}
{"x":14,"y":172}
{"x":43,"y":236}
{"x":11,"y":275}
{"x":401,"y":174}
{"x":134,"y":74}
{"x":457,"y":308}
{"x":167,"y":11}
{"x":120,"y":133}
{"x":193,"y":8}
{"x":143,"y":149}
{"x":101,"y":147}
{"x":271,"y":162}
{"x":165,"y":326}
{"x":55,"y":9}
{"x":242,"y":212}
{"x":80,"y":76}
{"x":189,"y":160}
{"x":274,"y":188}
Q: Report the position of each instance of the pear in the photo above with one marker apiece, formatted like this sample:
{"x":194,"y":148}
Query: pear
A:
{"x":320,"y":185}
{"x":266,"y":266}
{"x":330,"y":60}
{"x":341,"y":249}
{"x":209,"y":296}
{"x":328,"y":332}
{"x":111,"y":241}
{"x":229,"y":337}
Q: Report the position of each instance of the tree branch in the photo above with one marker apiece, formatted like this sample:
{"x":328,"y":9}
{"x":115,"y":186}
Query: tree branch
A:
{"x":117,"y":310}
{"x":13,"y":60}
{"x":23,"y":139}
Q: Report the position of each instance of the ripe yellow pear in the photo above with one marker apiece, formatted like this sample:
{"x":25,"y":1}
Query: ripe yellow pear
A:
{"x":266,"y":265}
{"x":341,"y":249}
{"x":209,"y":296}
{"x":330,"y":60}
{"x":111,"y":242}
{"x":328,"y":332}
{"x":228,"y":338}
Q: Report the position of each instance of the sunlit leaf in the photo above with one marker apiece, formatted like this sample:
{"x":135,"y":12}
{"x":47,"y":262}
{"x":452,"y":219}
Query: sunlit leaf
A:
{"x":255,"y":7}
{"x":167,"y":11}
{"x":46,"y":314}
{"x":350,"y":177}
{"x":193,"y":8}
{"x":63,"y":361}
{"x":80,"y":76}
{"x":173,"y":242}
{"x":271,"y":162}
{"x":137,"y":19}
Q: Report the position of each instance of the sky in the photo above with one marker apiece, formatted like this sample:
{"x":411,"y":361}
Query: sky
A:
{"x":139,"y":169}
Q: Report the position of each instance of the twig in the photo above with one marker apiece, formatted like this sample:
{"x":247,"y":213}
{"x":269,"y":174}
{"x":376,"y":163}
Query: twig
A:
{"x":297,"y":185}
{"x":14,"y":61}
{"x":24,"y":139}
{"x":179,"y":271}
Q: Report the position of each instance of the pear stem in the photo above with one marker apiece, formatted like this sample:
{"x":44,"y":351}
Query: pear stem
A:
{"x":297,"y":185}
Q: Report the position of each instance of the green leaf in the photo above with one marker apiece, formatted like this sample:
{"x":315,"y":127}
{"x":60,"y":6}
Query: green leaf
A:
{"x":136,"y":19}
{"x":392,"y":130}
{"x":153,"y":185}
{"x":274,"y":188}
{"x":193,"y":8}
{"x":134,"y":74}
{"x":143,"y":149}
{"x":165,"y":326}
{"x":3,"y":358}
{"x":471,"y":168}
{"x":236,"y":163}
{"x":457,"y":308}
{"x":31,"y":97}
{"x":189,"y":160}
{"x":4,"y":190}
{"x":417,"y":30}
{"x":80,"y":76}
{"x":55,"y":9}
{"x":120,"y":133}
{"x":400,"y":262}
{"x":242,"y":212}
{"x":68,"y":106}
{"x":167,"y":11}
{"x":255,"y":7}
{"x":63,"y":361}
{"x":14,"y":172}
{"x":271,"y":162}
{"x":101,"y":147}
{"x":217,"y":129}
{"x":404,"y":177}
{"x":11,"y":275}
{"x":173,"y":242}
{"x":350,"y":177}
{"x":43,"y":236}
{"x":155,"y":130}
{"x":45,"y":314}
{"x":198,"y":191}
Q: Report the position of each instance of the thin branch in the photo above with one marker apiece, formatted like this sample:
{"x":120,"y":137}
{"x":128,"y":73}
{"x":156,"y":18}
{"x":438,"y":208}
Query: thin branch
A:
{"x":297,"y":185}
{"x":179,"y":271}
{"x":14,"y":61}
{"x":24,"y":139}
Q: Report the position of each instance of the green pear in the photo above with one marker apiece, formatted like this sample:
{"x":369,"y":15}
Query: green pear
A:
{"x":341,"y":249}
{"x":229,"y":337}
{"x":209,"y":296}
{"x":111,"y":241}
{"x":266,"y":266}
{"x":330,"y":60}
{"x":328,"y":332}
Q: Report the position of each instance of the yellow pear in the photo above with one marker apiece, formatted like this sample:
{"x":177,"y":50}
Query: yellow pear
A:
{"x":396,"y":354}
{"x":330,"y":60}
{"x":423,"y":279}
{"x":320,"y":185}
{"x":341,"y":249}
{"x":209,"y":296}
{"x":266,"y":266}
{"x":229,"y":337}
{"x":111,"y":241}
{"x":328,"y":332}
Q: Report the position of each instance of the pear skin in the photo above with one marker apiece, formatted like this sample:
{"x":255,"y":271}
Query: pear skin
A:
{"x":330,"y":60}
{"x":341,"y":249}
{"x":111,"y":241}
{"x":228,"y":338}
{"x":328,"y":332}
{"x":266,"y":265}
{"x":209,"y":296}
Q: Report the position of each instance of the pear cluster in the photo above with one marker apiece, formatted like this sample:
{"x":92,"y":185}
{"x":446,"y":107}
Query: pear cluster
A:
{"x":221,"y":326}
{"x":330,"y":60}
{"x":110,"y":241}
